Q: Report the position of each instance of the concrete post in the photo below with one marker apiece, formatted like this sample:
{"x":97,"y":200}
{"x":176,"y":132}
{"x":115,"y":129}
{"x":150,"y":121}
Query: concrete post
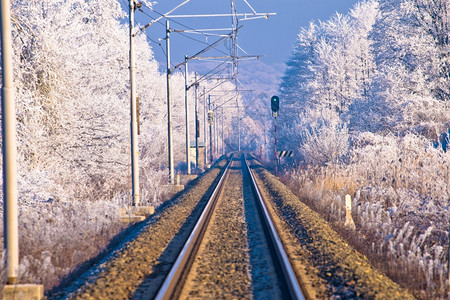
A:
{"x":348,"y":213}
{"x":133,"y":107}
{"x":10,"y":214}
{"x":9,"y":152}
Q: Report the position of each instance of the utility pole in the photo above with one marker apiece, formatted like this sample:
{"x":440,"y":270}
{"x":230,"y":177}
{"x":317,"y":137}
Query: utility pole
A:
{"x":234,"y":66}
{"x":218,"y":132}
{"x":204,"y":128}
{"x":188,"y":146}
{"x":197,"y":122}
{"x":133,"y":107}
{"x":10,"y":213}
{"x":210,"y":132}
{"x":12,"y":289}
{"x":223,"y":143}
{"x":169,"y":108}
{"x":239,"y":126}
{"x":216,"y":153}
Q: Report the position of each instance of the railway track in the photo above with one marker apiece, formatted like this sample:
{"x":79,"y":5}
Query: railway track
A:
{"x":216,"y":239}
{"x":270,"y":258}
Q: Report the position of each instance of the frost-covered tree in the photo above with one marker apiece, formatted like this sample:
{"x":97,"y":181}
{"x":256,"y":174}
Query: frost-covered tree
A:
{"x":72,"y":79}
{"x":412,"y":62}
{"x":295,"y":93}
{"x":343,"y":64}
{"x":330,"y":72}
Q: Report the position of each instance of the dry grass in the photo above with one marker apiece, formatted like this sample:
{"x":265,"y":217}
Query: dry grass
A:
{"x":401,"y":221}
{"x":57,"y":236}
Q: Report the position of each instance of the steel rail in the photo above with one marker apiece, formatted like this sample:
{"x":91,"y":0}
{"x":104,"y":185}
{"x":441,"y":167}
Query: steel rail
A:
{"x":169,"y":286}
{"x":290,"y":278}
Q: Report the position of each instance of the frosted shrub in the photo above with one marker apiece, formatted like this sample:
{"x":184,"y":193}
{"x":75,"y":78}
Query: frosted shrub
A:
{"x":56,"y":236}
{"x":325,"y":142}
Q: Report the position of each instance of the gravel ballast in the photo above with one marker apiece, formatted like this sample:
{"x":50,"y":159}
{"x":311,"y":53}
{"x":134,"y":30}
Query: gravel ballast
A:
{"x":221,"y":266}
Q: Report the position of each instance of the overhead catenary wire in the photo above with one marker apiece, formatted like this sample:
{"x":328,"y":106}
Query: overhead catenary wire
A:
{"x":191,"y":30}
{"x":211,"y":46}
{"x":195,"y":31}
{"x":175,"y":31}
{"x":165,"y":15}
{"x":206,"y":76}
{"x":169,"y":18}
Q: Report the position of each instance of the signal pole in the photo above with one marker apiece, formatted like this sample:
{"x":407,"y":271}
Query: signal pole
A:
{"x":133,"y":107}
{"x":276,"y":156}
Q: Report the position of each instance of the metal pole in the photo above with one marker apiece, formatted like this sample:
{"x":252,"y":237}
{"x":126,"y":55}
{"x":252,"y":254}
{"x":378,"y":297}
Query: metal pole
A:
{"x":197,"y":122}
{"x":216,"y":152}
{"x":10,"y":214}
{"x":239,"y":127}
{"x":210,"y":132}
{"x":276,"y":156}
{"x":169,"y":109}
{"x":218,"y":134}
{"x":223,"y":143}
{"x":216,"y":130}
{"x":204,"y":129}
{"x":133,"y":107}
{"x":188,"y":146}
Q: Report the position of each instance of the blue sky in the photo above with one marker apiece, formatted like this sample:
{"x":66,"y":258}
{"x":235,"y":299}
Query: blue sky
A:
{"x":273,"y":38}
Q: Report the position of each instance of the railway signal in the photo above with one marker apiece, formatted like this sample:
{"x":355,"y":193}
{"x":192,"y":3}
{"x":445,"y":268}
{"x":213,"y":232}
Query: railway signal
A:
{"x":275,"y":103}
